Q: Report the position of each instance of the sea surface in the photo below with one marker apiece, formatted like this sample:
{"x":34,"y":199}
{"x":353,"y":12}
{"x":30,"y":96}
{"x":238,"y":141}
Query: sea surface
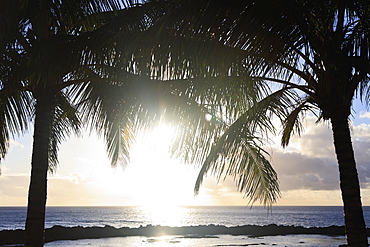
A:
{"x":306,"y":216}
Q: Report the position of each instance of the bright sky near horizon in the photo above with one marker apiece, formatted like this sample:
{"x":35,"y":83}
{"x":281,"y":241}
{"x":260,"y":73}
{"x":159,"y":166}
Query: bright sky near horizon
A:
{"x":307,"y":171}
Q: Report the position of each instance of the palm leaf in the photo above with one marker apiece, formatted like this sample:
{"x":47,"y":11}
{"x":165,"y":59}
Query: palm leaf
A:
{"x":292,"y":124}
{"x":238,"y":151}
{"x":65,"y":122}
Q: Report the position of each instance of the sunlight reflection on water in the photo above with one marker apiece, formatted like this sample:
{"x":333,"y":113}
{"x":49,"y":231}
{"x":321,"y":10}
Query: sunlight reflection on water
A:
{"x":166,"y":215}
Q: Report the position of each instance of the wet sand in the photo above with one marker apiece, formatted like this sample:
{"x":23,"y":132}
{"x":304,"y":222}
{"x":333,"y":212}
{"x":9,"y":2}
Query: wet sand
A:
{"x":300,"y":240}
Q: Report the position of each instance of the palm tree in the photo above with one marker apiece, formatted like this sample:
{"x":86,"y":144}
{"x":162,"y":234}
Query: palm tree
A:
{"x":42,"y":49}
{"x":317,"y":51}
{"x":57,"y":73}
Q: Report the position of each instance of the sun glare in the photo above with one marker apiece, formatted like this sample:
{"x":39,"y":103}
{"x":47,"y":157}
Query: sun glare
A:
{"x":160,"y":138}
{"x":152,"y":178}
{"x":160,"y":179}
{"x":165,"y":215}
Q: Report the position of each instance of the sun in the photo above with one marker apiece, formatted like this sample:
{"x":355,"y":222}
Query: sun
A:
{"x":152,"y":179}
{"x":159,"y":177}
{"x":161,"y":137}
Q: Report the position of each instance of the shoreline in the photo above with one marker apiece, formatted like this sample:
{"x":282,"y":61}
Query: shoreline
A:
{"x":55,"y":233}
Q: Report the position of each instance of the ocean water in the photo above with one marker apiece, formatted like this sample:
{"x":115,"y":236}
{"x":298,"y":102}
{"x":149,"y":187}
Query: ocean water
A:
{"x":306,"y":216}
{"x":14,"y":218}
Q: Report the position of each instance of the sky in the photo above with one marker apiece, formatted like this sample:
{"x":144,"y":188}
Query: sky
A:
{"x":307,"y":171}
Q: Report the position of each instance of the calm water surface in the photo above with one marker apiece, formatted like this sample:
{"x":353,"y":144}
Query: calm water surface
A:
{"x":14,"y":217}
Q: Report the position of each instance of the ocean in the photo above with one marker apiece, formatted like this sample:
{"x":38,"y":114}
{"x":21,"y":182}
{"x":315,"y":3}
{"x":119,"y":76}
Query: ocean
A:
{"x":305,"y":216}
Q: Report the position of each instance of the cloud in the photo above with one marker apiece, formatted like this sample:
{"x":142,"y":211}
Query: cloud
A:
{"x":15,"y":144}
{"x":13,"y":190}
{"x":307,"y":169}
{"x":75,"y":189}
{"x":310,"y":198}
{"x":364,"y":114}
{"x":299,"y":171}
{"x":311,"y":164}
{"x":362,"y":154}
{"x":361,"y":132}
{"x":213,"y":192}
{"x":315,"y":141}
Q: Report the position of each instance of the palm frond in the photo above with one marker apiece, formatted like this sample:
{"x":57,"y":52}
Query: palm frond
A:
{"x":238,"y":153}
{"x":65,"y":122}
{"x":292,"y":124}
{"x":15,"y":114}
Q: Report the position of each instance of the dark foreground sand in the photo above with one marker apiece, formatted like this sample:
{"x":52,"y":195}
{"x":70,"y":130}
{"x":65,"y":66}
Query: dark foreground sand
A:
{"x":73,"y":233}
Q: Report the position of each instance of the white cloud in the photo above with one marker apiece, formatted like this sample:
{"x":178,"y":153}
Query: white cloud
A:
{"x":315,"y":141}
{"x":311,"y":198}
{"x":15,"y":144}
{"x":4,"y":169}
{"x":361,"y":132}
{"x":364,"y":114}
{"x":13,"y":190}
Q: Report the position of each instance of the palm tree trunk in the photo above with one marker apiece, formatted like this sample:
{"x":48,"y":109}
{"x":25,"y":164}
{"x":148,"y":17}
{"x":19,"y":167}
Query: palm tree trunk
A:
{"x":349,"y":183}
{"x":38,"y":184}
